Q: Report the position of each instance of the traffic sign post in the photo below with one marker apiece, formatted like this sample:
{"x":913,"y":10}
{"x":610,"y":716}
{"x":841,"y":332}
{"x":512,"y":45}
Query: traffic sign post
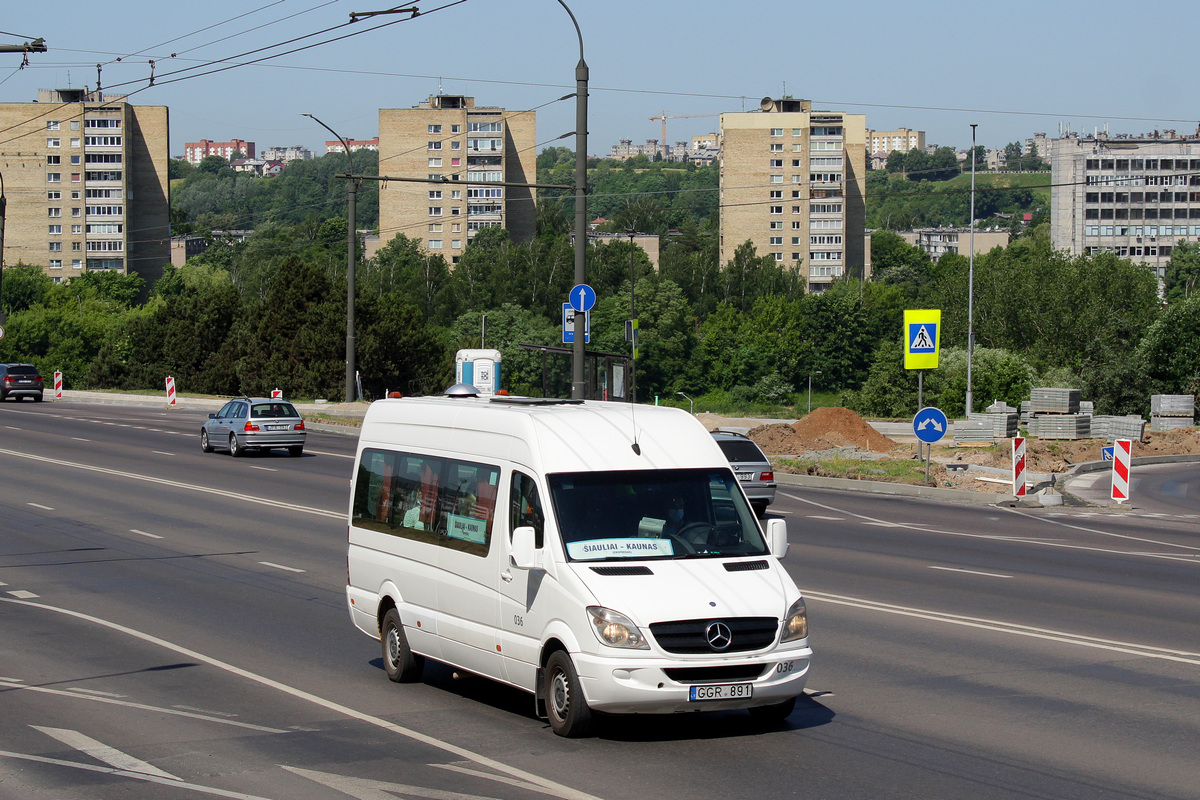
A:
{"x":568,"y":324}
{"x":930,"y":425}
{"x":1018,"y":462}
{"x":1122,"y":449}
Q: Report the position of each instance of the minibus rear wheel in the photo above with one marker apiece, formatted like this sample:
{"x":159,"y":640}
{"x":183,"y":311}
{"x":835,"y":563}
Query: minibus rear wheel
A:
{"x":402,"y":665}
{"x":565,"y":704}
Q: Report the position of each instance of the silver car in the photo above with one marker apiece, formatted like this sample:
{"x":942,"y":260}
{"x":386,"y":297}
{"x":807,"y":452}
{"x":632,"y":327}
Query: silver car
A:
{"x":753,"y":469}
{"x":254,"y":423}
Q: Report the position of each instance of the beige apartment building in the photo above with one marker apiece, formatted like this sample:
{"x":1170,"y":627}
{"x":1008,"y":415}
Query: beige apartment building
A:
{"x":792,"y":183}
{"x":468,"y":149}
{"x":86,"y":180}
{"x":903,"y":139}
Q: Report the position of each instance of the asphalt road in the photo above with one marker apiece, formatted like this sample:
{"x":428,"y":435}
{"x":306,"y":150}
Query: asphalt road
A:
{"x":173,"y":624}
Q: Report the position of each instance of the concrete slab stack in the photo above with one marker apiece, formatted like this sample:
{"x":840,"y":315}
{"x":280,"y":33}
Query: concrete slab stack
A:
{"x":1054,"y":401}
{"x":1002,"y":423}
{"x":1105,"y":426}
{"x":1061,"y":426}
{"x":1170,"y":411}
{"x":974,"y":430}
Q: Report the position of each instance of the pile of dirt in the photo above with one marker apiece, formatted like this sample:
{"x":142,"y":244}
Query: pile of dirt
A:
{"x":823,"y":429}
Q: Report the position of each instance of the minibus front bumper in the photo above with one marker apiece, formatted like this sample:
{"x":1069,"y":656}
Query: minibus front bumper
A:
{"x":661,"y":686}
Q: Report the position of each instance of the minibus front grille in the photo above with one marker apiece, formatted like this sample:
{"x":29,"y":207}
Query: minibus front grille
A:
{"x":639,"y":570}
{"x":745,"y":566}
{"x":738,"y":634}
{"x":738,"y":672}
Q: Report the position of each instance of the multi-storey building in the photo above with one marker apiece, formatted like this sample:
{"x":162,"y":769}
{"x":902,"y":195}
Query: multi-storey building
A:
{"x":287,"y":154}
{"x":86,"y":180}
{"x":195,"y":152}
{"x":1133,"y":196}
{"x":937,"y":242}
{"x":336,"y":146}
{"x":904,"y":139}
{"x":792,"y":183}
{"x":465,"y":151}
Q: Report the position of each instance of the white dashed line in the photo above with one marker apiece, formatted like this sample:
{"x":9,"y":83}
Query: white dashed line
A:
{"x":39,"y":505}
{"x":143,"y":533}
{"x":162,"y":452}
{"x":830,"y":519}
{"x":971,"y":572}
{"x":80,"y":439}
{"x":280,"y":566}
{"x":21,"y":594}
{"x":267,"y":469}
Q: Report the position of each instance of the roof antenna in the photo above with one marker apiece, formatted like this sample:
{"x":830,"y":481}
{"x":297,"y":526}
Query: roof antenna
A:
{"x":637,"y":448}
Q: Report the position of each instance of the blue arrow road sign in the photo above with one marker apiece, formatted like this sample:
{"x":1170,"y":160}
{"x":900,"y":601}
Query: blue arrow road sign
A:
{"x":930,"y":424}
{"x":582,"y":297}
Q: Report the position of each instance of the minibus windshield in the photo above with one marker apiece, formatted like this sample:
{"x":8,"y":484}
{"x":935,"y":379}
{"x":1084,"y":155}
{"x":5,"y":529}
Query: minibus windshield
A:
{"x":654,"y":514}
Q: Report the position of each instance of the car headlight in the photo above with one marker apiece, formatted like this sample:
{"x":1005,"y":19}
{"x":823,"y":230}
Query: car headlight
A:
{"x":795,"y":624}
{"x":615,"y":629}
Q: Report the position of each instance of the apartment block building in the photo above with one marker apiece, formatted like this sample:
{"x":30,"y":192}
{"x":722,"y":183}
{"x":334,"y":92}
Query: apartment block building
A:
{"x":938,"y":242}
{"x":1133,"y":196}
{"x":355,"y":145}
{"x":86,"y":180}
{"x":904,"y":139}
{"x":294,"y":152}
{"x":195,"y":152}
{"x":792,"y":182}
{"x":465,"y":150}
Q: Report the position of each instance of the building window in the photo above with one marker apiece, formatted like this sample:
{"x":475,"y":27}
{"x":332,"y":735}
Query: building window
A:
{"x":776,"y":209}
{"x":75,"y":176}
{"x":776,"y":147}
{"x":435,"y":211}
{"x":797,"y":148}
{"x":456,"y":161}
{"x":435,"y":128}
{"x":56,"y":263}
{"x":435,"y":227}
{"x":54,"y":143}
{"x":55,"y":247}
{"x":456,"y":145}
{"x":776,"y":194}
{"x":435,"y":145}
{"x":75,"y":160}
{"x":75,"y":143}
{"x":75,"y":246}
{"x":776,"y":240}
{"x":54,"y":212}
{"x":54,"y":177}
{"x":56,"y":230}
{"x":52,"y":124}
{"x":53,"y":159}
{"x":456,"y":194}
{"x":435,"y":244}
{"x":456,"y":244}
{"x":54,"y":195}
{"x":456,"y":128}
{"x":777,"y":163}
{"x":76,"y":229}
{"x":777,"y":131}
{"x":777,"y":225}
{"x":435,"y":162}
{"x":435,"y":194}
{"x":76,"y":263}
{"x":75,"y":212}
{"x":797,"y":225}
{"x":797,"y":132}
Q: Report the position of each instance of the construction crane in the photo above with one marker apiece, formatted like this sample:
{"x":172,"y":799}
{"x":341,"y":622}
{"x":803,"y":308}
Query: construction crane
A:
{"x":665,"y":116}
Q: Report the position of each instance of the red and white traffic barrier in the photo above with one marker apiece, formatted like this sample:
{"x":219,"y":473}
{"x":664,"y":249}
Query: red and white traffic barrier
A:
{"x":57,"y":385}
{"x":170,"y":391}
{"x":1018,"y":461}
{"x":1122,"y":448}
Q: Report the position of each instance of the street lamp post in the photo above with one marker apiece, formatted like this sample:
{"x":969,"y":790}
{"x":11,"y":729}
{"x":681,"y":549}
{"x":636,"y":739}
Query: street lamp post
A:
{"x":818,"y":372}
{"x":691,"y":404}
{"x":351,"y":197}
{"x":3,"y":209}
{"x":581,"y":94}
{"x":970,"y":397}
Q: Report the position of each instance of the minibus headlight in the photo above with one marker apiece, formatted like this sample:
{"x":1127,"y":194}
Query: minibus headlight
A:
{"x":616,"y":630}
{"x":795,"y":624}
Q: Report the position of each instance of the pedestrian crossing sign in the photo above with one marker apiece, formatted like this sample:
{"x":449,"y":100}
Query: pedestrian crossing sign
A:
{"x":921,"y":339}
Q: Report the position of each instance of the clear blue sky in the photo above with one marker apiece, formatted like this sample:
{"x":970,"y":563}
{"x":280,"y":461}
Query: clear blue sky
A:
{"x":1014,"y":68}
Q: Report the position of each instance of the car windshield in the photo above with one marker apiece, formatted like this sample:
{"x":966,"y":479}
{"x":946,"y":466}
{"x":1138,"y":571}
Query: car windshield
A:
{"x":741,"y":450}
{"x":273,"y":410}
{"x":661,"y":514}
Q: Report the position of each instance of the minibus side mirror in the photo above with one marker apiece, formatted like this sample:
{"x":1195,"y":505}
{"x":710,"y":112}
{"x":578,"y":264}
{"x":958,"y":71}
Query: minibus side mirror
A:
{"x":777,"y":537}
{"x":524,"y":554}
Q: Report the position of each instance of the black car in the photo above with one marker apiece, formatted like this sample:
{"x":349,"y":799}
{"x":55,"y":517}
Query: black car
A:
{"x":20,"y":381}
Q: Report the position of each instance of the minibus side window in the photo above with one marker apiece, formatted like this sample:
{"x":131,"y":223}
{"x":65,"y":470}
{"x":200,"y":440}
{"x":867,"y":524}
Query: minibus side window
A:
{"x":526,"y":507}
{"x":426,"y":498}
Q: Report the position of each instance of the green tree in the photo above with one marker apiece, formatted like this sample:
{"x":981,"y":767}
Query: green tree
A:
{"x":1182,"y":278}
{"x":508,"y":327}
{"x":1170,"y":350}
{"x":24,"y":286}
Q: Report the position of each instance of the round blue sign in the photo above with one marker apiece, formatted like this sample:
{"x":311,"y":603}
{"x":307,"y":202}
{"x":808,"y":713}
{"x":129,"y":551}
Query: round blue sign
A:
{"x":582,"y":297}
{"x":930,"y":424}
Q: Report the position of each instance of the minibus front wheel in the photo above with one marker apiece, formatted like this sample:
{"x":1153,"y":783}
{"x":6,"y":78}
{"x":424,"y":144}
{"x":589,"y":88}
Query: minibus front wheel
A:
{"x":566,"y":707}
{"x":400,"y":662}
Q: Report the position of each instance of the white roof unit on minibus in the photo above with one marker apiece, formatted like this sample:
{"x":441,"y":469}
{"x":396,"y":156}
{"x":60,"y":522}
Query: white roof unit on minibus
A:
{"x":601,"y":556}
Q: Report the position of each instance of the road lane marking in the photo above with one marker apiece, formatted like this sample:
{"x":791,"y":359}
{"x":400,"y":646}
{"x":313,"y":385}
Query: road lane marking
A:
{"x":368,"y":789}
{"x":971,"y":572}
{"x":265,"y":469}
{"x":14,"y":683}
{"x":22,"y":594}
{"x":1016,"y":629}
{"x":102,"y":752}
{"x":335,"y":455}
{"x":80,"y":439}
{"x":1187,"y":558}
{"x":39,"y":505}
{"x":95,"y":692}
{"x":162,"y":452}
{"x":320,"y":512}
{"x":143,"y":533}
{"x":280,"y":566}
{"x":545,"y":785}
{"x":831,"y":519}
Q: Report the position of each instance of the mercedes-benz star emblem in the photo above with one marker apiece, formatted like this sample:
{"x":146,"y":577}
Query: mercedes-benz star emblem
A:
{"x":718,"y":635}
